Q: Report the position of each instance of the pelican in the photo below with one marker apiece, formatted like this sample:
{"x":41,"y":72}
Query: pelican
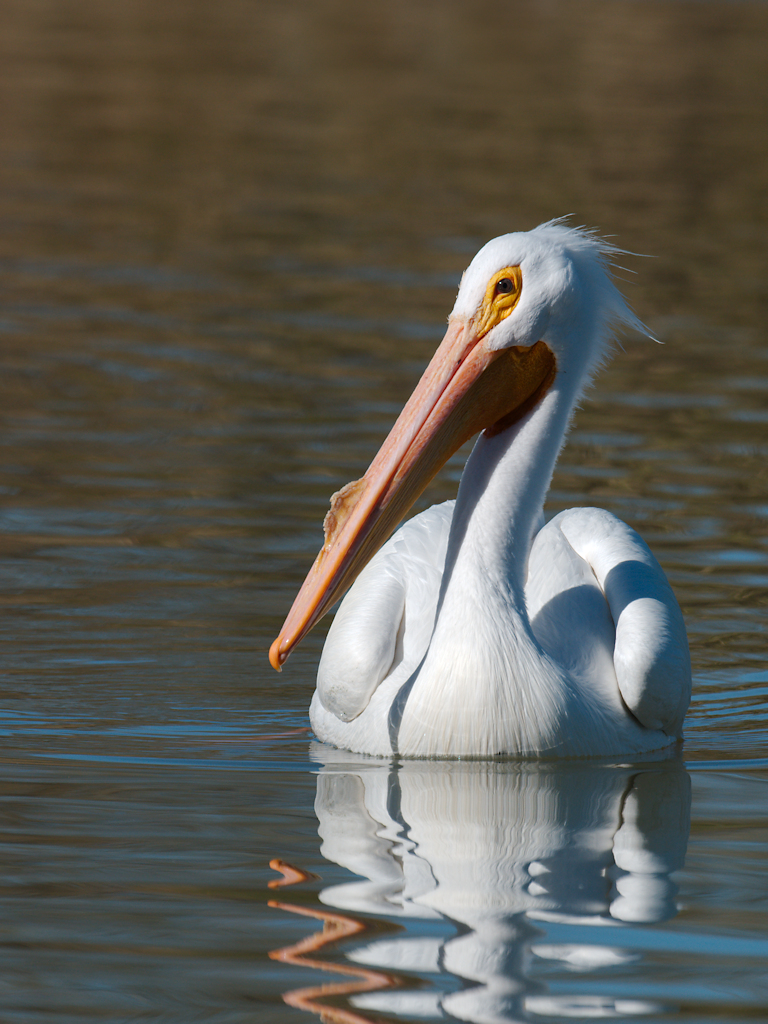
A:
{"x":477,"y":630}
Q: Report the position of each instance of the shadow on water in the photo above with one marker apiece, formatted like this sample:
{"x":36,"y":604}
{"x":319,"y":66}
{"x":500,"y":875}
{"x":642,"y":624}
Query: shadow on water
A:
{"x":493,"y":870}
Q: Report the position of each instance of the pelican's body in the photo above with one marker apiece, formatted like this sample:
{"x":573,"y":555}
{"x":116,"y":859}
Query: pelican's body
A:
{"x":476,"y":630}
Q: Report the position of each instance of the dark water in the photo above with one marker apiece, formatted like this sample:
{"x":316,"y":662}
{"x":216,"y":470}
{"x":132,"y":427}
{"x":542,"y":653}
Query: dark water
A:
{"x":229,"y":238}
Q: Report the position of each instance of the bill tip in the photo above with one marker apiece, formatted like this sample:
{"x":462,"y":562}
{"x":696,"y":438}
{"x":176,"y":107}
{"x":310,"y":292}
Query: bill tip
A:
{"x":276,"y":656}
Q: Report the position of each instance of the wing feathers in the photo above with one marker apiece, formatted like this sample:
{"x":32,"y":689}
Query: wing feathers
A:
{"x":651,"y":658}
{"x":365,"y":641}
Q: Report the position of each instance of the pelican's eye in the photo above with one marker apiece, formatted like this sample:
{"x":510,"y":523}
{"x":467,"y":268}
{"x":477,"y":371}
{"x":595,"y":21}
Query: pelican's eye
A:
{"x":501,"y":296}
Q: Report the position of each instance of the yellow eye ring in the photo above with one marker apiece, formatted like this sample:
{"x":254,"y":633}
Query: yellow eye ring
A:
{"x":501,"y":296}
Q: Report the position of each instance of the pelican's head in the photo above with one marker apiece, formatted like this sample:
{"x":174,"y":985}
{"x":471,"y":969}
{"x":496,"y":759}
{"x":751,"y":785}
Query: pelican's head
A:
{"x":531,"y":306}
{"x":552,"y":284}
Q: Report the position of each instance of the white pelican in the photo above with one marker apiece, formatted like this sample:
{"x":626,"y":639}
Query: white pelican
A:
{"x":477,"y":630}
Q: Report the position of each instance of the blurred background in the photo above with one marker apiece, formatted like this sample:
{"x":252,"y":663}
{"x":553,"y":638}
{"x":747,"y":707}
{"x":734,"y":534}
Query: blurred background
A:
{"x":230,"y":235}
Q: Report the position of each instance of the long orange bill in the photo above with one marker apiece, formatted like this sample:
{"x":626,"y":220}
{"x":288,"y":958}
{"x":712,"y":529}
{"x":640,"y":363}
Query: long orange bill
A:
{"x":466,"y":388}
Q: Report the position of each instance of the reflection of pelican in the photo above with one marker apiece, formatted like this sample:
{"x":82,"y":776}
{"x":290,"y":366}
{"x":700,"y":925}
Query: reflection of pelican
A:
{"x":510,"y":866}
{"x":476,"y":630}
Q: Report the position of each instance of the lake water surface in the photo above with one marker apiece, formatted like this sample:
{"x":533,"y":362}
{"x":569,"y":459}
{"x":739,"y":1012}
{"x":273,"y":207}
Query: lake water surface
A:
{"x":230,"y":235}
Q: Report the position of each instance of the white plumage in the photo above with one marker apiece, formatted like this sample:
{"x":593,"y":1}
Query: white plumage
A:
{"x":476,"y":630}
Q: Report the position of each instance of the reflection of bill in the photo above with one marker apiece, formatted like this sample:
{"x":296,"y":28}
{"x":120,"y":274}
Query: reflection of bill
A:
{"x":336,"y":927}
{"x":504,"y":859}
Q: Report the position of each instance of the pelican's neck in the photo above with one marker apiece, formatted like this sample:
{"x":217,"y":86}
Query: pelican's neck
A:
{"x":499,"y":507}
{"x":485,"y":685}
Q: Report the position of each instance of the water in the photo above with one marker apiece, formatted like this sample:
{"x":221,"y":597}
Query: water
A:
{"x":230,"y":237}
